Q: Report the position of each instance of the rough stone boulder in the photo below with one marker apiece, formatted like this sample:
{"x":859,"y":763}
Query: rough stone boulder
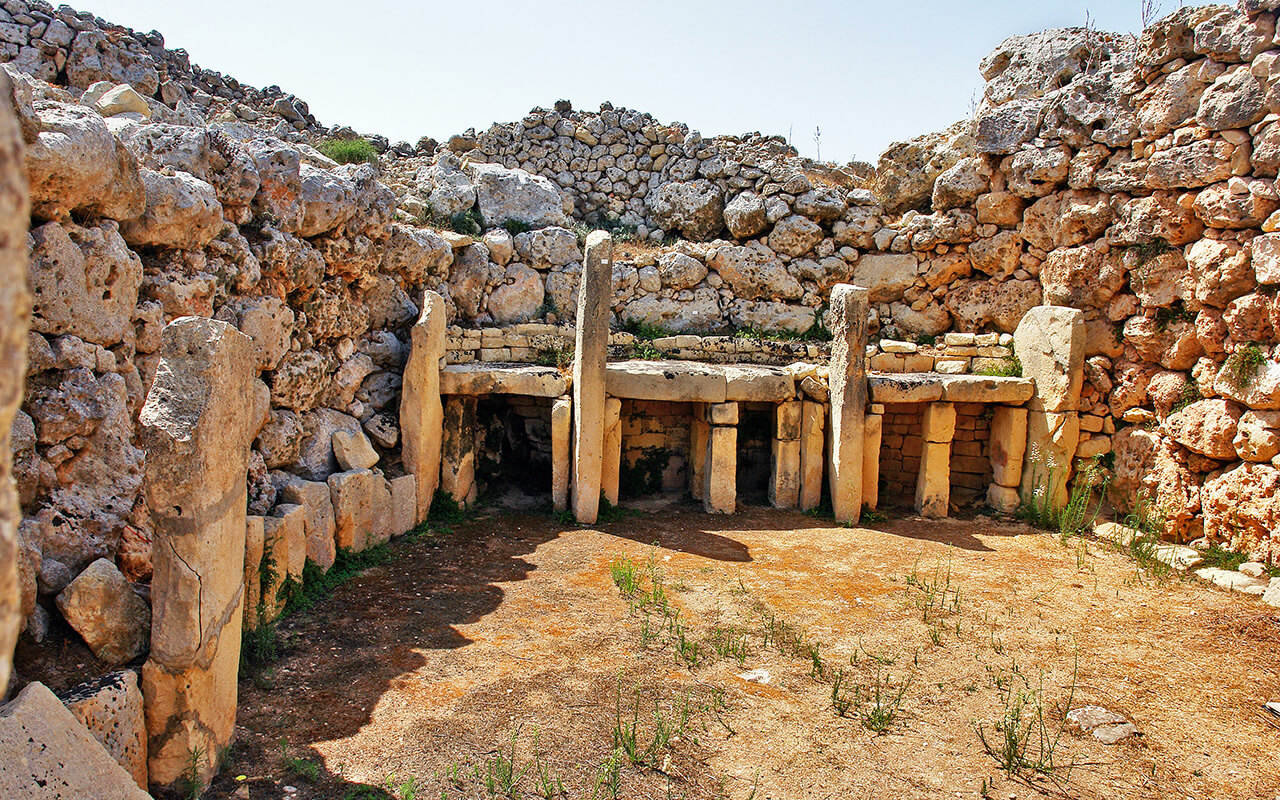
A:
{"x":1224,"y":271}
{"x":182,"y":212}
{"x":85,"y":281}
{"x":698,"y":314}
{"x":110,"y":708}
{"x":906,"y":171}
{"x":695,"y":208}
{"x":519,"y":297}
{"x":1173,"y":36}
{"x":975,"y":304}
{"x":1191,"y":166}
{"x":962,"y":184}
{"x":1236,"y":204}
{"x":547,"y":248}
{"x":1002,"y":129}
{"x":1049,"y":342}
{"x":680,"y":271}
{"x":514,"y":195}
{"x":300,"y":378}
{"x":1034,"y":64}
{"x":795,"y":235}
{"x":745,"y":216}
{"x":886,"y":275}
{"x":1258,"y":435}
{"x":46,"y":754}
{"x":76,"y":164}
{"x":1242,"y":508}
{"x":771,"y":316}
{"x":754,"y":272}
{"x":1172,"y":345}
{"x":95,"y":57}
{"x":103,"y":608}
{"x":327,"y":198}
{"x":1171,"y":100}
{"x":1161,"y":280}
{"x":1235,"y":100}
{"x":1038,"y":171}
{"x":1080,"y":277}
{"x":449,"y":190}
{"x":1067,"y":219}
{"x":414,"y":254}
{"x":267,"y":321}
{"x":1207,"y":427}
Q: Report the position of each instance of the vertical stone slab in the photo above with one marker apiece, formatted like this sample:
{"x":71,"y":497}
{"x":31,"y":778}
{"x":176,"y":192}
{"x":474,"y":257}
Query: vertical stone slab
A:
{"x":871,"y":460}
{"x":848,"y":384}
{"x":195,"y":429}
{"x":784,"y":470}
{"x":285,"y":546}
{"x":458,"y":455}
{"x":611,"y":466}
{"x":561,"y":449}
{"x":254,"y":546}
{"x":421,"y":412}
{"x":15,"y":319}
{"x":1008,"y":445}
{"x":589,"y":360}
{"x":314,"y":497}
{"x":720,"y":475}
{"x":1050,"y":343}
{"x":403,"y":515}
{"x":699,"y":439}
{"x":933,"y":486}
{"x":813,"y":422}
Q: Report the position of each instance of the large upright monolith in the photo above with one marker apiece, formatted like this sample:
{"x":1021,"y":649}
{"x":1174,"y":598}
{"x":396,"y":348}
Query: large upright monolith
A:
{"x":590,"y":359}
{"x":421,"y":412}
{"x":848,"y":384}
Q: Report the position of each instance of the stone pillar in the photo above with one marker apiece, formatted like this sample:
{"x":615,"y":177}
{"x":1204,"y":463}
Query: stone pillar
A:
{"x":1050,"y":344}
{"x":590,"y":358}
{"x":611,"y":465}
{"x":813,"y":454}
{"x":254,"y":544}
{"x":421,"y":412}
{"x":848,"y":380}
{"x":699,"y":437}
{"x":871,"y":459}
{"x":784,"y":472}
{"x":1008,"y":445}
{"x":15,"y":319}
{"x":720,"y":475}
{"x":933,"y":487}
{"x":458,"y":455}
{"x":561,"y":447}
{"x":195,"y":429}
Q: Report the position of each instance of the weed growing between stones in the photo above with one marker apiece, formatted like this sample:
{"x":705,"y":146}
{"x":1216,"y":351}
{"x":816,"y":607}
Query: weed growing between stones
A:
{"x":1011,"y":368}
{"x":1078,"y":514}
{"x":299,"y":767}
{"x":349,"y":151}
{"x":466,"y":223}
{"x":643,"y":476}
{"x":190,"y":784}
{"x":1242,"y":366}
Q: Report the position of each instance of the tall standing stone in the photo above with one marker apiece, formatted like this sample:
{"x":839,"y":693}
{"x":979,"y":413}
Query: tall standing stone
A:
{"x":196,"y":426}
{"x":561,"y":449}
{"x":611,"y":465}
{"x":848,"y":379}
{"x":590,"y":358}
{"x":720,"y":475}
{"x":933,"y":485}
{"x":421,"y":412}
{"x":871,"y":459}
{"x":813,"y":456}
{"x":15,"y":319}
{"x":1050,"y":344}
{"x":458,"y":452}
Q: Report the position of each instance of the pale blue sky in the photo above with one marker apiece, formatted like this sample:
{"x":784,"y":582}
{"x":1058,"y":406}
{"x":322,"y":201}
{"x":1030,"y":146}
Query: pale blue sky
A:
{"x":867,"y":73}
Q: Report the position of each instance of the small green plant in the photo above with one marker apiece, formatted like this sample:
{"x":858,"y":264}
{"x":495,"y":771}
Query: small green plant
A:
{"x":926,"y":339}
{"x":1024,"y":742}
{"x":501,"y":775}
{"x":840,"y":699}
{"x":559,"y":357}
{"x":466,"y":222}
{"x":515,"y":227}
{"x":1168,"y":315}
{"x":644,"y":331}
{"x":1010,"y":368}
{"x":191,"y":783}
{"x":643,"y":476}
{"x":878,"y":708}
{"x":1145,"y":251}
{"x":303,"y":768}
{"x":1242,"y":366}
{"x":403,"y":790}
{"x":609,"y":777}
{"x":349,"y":151}
{"x":1190,"y":393}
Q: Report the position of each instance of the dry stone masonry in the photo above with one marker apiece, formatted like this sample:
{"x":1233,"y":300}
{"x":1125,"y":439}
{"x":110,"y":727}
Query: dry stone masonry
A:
{"x":226,"y":355}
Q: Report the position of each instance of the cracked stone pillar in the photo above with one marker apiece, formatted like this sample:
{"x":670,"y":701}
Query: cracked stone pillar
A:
{"x":720,"y":475}
{"x":15,"y":319}
{"x":784,"y":475}
{"x":933,"y":486}
{"x":1050,"y":343}
{"x":1008,"y":445}
{"x":813,"y":453}
{"x":871,"y":457}
{"x":611,"y":466}
{"x":561,"y":447}
{"x":195,"y":428}
{"x":590,"y":359}
{"x":458,"y":454}
{"x":421,"y":412}
{"x":848,"y":384}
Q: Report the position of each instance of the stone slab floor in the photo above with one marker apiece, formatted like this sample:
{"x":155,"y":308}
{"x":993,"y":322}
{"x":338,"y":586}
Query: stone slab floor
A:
{"x":414,"y":679}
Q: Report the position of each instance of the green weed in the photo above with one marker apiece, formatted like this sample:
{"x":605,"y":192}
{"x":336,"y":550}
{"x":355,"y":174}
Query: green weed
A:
{"x":349,"y":151}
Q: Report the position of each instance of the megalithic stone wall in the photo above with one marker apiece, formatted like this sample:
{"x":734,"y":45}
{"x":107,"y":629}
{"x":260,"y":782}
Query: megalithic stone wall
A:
{"x":421,"y":412}
{"x":589,"y":363}
{"x":15,"y":318}
{"x":848,"y":379}
{"x":196,"y":429}
{"x":1050,"y":344}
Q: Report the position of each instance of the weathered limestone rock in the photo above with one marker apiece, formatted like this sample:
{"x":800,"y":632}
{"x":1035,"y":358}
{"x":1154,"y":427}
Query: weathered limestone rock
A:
{"x":319,"y":523}
{"x":1008,"y":443}
{"x":933,"y":486}
{"x":784,"y":474}
{"x":1207,"y":427}
{"x":402,"y":513}
{"x":1258,"y":436}
{"x":611,"y":468}
{"x":103,"y":608}
{"x":196,"y":430}
{"x":848,"y":386}
{"x":512,"y":194}
{"x":75,"y":164}
{"x":1052,"y":439}
{"x":695,"y":208}
{"x":15,"y":318}
{"x":720,"y":476}
{"x":1050,"y":344}
{"x":561,"y":451}
{"x":182,"y":212}
{"x":457,"y":454}
{"x":745,"y":216}
{"x":481,"y":379}
{"x":46,"y":753}
{"x":886,"y":276}
{"x":871,"y":461}
{"x":754,"y":271}
{"x":110,"y":708}
{"x":1242,"y":508}
{"x":284,"y":536}
{"x":699,"y":436}
{"x":85,"y":280}
{"x":353,"y":450}
{"x":360,"y":504}
{"x":591,"y":356}
{"x":254,"y":548}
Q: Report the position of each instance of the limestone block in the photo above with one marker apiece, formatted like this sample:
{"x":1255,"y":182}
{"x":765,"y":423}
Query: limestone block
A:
{"x":561,"y":422}
{"x":986,"y":389}
{"x":359,"y":501}
{"x":871,"y":460}
{"x":611,"y":469}
{"x":1052,"y":439}
{"x":353,"y":450}
{"x":103,"y":608}
{"x":939,"y":422}
{"x":1003,"y":499}
{"x":933,"y":486}
{"x":1050,"y":343}
{"x":314,"y":498}
{"x":46,"y":754}
{"x":784,"y":474}
{"x":110,"y":708}
{"x":1008,"y":444}
{"x":699,"y":441}
{"x":671,"y":381}
{"x":915,"y":388}
{"x":848,"y":383}
{"x":722,"y":413}
{"x":595,"y":295}
{"x":421,"y":412}
{"x":813,"y":420}
{"x":486,"y":378}
{"x":458,"y":457}
{"x":758,"y":384}
{"x":381,"y":512}
{"x":787,"y":420}
{"x":721,"y":471}
{"x":403,"y":514}
{"x":285,"y":538}
{"x":254,"y":547}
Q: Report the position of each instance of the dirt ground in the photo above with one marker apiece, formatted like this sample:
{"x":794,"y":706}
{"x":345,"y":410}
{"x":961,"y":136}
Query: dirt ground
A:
{"x":506,"y":641}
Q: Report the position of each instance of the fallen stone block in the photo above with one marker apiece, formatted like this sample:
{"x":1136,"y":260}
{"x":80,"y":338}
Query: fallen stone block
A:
{"x":110,"y":708}
{"x":103,"y":608}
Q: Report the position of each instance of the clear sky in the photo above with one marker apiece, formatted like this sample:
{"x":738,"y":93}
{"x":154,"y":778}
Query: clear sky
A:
{"x":865,"y":73}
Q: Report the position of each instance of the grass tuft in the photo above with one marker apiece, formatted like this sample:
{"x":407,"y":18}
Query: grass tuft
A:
{"x":349,"y":151}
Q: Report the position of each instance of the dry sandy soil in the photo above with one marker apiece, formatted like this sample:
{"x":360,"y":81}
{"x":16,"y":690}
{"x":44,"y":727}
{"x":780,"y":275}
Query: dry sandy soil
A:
{"x":413,"y":679}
